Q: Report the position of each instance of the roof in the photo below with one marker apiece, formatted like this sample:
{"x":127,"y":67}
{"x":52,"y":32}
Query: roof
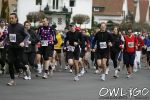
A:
{"x":131,"y":6}
{"x":113,"y":8}
{"x":143,"y":10}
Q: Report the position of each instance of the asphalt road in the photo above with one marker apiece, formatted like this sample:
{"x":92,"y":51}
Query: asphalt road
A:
{"x":62,"y":87}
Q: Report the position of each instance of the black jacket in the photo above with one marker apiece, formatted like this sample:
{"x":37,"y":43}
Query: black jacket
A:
{"x":34,"y":40}
{"x":21,"y":35}
{"x":116,"y":43}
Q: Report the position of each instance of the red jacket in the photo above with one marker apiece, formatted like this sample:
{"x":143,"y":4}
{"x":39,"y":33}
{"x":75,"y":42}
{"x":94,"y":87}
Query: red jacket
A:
{"x":130,"y":43}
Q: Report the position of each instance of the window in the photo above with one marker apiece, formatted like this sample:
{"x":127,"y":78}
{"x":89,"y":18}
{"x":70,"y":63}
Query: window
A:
{"x":101,"y":9}
{"x":72,"y":3}
{"x":98,"y":9}
{"x":59,"y":21}
{"x":38,"y":2}
{"x":55,"y":4}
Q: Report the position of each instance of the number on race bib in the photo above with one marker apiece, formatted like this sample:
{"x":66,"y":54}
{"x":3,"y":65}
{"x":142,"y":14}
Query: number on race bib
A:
{"x":103,"y":45}
{"x":148,"y":48}
{"x":70,"y":48}
{"x":130,"y":44}
{"x":44,"y":42}
{"x":12,"y":37}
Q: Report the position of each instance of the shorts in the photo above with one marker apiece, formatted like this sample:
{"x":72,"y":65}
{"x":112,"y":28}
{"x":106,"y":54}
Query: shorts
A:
{"x":58,"y":50}
{"x":129,"y":59}
{"x":38,"y":50}
{"x":46,"y":51}
{"x":144,"y":51}
{"x":73,"y":55}
{"x":101,"y":55}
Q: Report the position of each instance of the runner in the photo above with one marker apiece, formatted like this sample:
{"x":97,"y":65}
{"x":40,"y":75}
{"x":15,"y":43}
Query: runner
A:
{"x":102,"y":40}
{"x":3,"y":33}
{"x":130,"y":47}
{"x":29,"y":50}
{"x":16,"y":38}
{"x":115,"y":50}
{"x":64,"y":50}
{"x":39,"y":58}
{"x":73,"y":41}
{"x":93,"y":54}
{"x":58,"y":48}
{"x":83,"y":52}
{"x":147,"y":47}
{"x":52,"y":64}
{"x":137,"y":61}
{"x":47,"y":40}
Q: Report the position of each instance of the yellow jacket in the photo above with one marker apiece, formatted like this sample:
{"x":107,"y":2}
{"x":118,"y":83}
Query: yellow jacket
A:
{"x":59,"y":41}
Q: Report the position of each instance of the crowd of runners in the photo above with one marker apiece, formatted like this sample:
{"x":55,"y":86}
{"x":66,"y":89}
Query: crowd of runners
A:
{"x":23,"y":49}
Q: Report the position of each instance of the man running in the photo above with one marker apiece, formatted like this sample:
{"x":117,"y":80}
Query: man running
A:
{"x":73,"y":41}
{"x":16,"y":38}
{"x":47,"y":41}
{"x":130,"y":46}
{"x":101,"y":44}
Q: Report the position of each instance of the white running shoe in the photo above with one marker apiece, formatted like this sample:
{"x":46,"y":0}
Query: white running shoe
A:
{"x":103,"y":77}
{"x":82,"y":72}
{"x":45,"y":76}
{"x":96,"y":71}
{"x":135,"y":69}
{"x":66,"y":67}
{"x":107,"y":70}
{"x":70,"y":71}
{"x":26,"y":78}
{"x":76,"y":78}
{"x":53,"y":67}
{"x":116,"y":74}
{"x":29,"y":78}
{"x":39,"y":69}
{"x":129,"y":76}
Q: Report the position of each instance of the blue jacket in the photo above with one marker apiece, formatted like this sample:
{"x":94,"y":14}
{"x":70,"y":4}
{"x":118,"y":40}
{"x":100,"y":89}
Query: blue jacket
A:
{"x":91,"y":41}
{"x":147,"y":41}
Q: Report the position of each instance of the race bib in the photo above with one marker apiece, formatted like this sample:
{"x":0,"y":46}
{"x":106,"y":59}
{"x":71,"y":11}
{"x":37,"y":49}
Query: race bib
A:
{"x":70,"y":48}
{"x":148,"y":48}
{"x":44,"y":43}
{"x":103,"y":45}
{"x":12,"y":37}
{"x":130,"y":44}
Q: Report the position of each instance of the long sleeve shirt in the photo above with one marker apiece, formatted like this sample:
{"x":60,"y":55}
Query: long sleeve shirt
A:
{"x":46,"y":33}
{"x":16,"y":34}
{"x":101,"y":40}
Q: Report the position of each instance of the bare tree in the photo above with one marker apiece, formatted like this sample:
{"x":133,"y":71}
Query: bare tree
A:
{"x":5,"y":9}
{"x":80,"y":18}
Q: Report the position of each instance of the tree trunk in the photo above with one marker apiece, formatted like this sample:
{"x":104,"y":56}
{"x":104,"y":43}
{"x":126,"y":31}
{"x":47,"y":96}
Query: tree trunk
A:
{"x":4,"y":10}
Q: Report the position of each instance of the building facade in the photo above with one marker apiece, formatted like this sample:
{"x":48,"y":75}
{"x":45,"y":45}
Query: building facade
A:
{"x":106,"y":10}
{"x":58,"y":11}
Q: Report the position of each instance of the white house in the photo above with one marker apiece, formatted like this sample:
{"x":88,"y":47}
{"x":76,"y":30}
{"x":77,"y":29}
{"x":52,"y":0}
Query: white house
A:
{"x":104,"y":11}
{"x":114,"y":10}
{"x":57,"y":10}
